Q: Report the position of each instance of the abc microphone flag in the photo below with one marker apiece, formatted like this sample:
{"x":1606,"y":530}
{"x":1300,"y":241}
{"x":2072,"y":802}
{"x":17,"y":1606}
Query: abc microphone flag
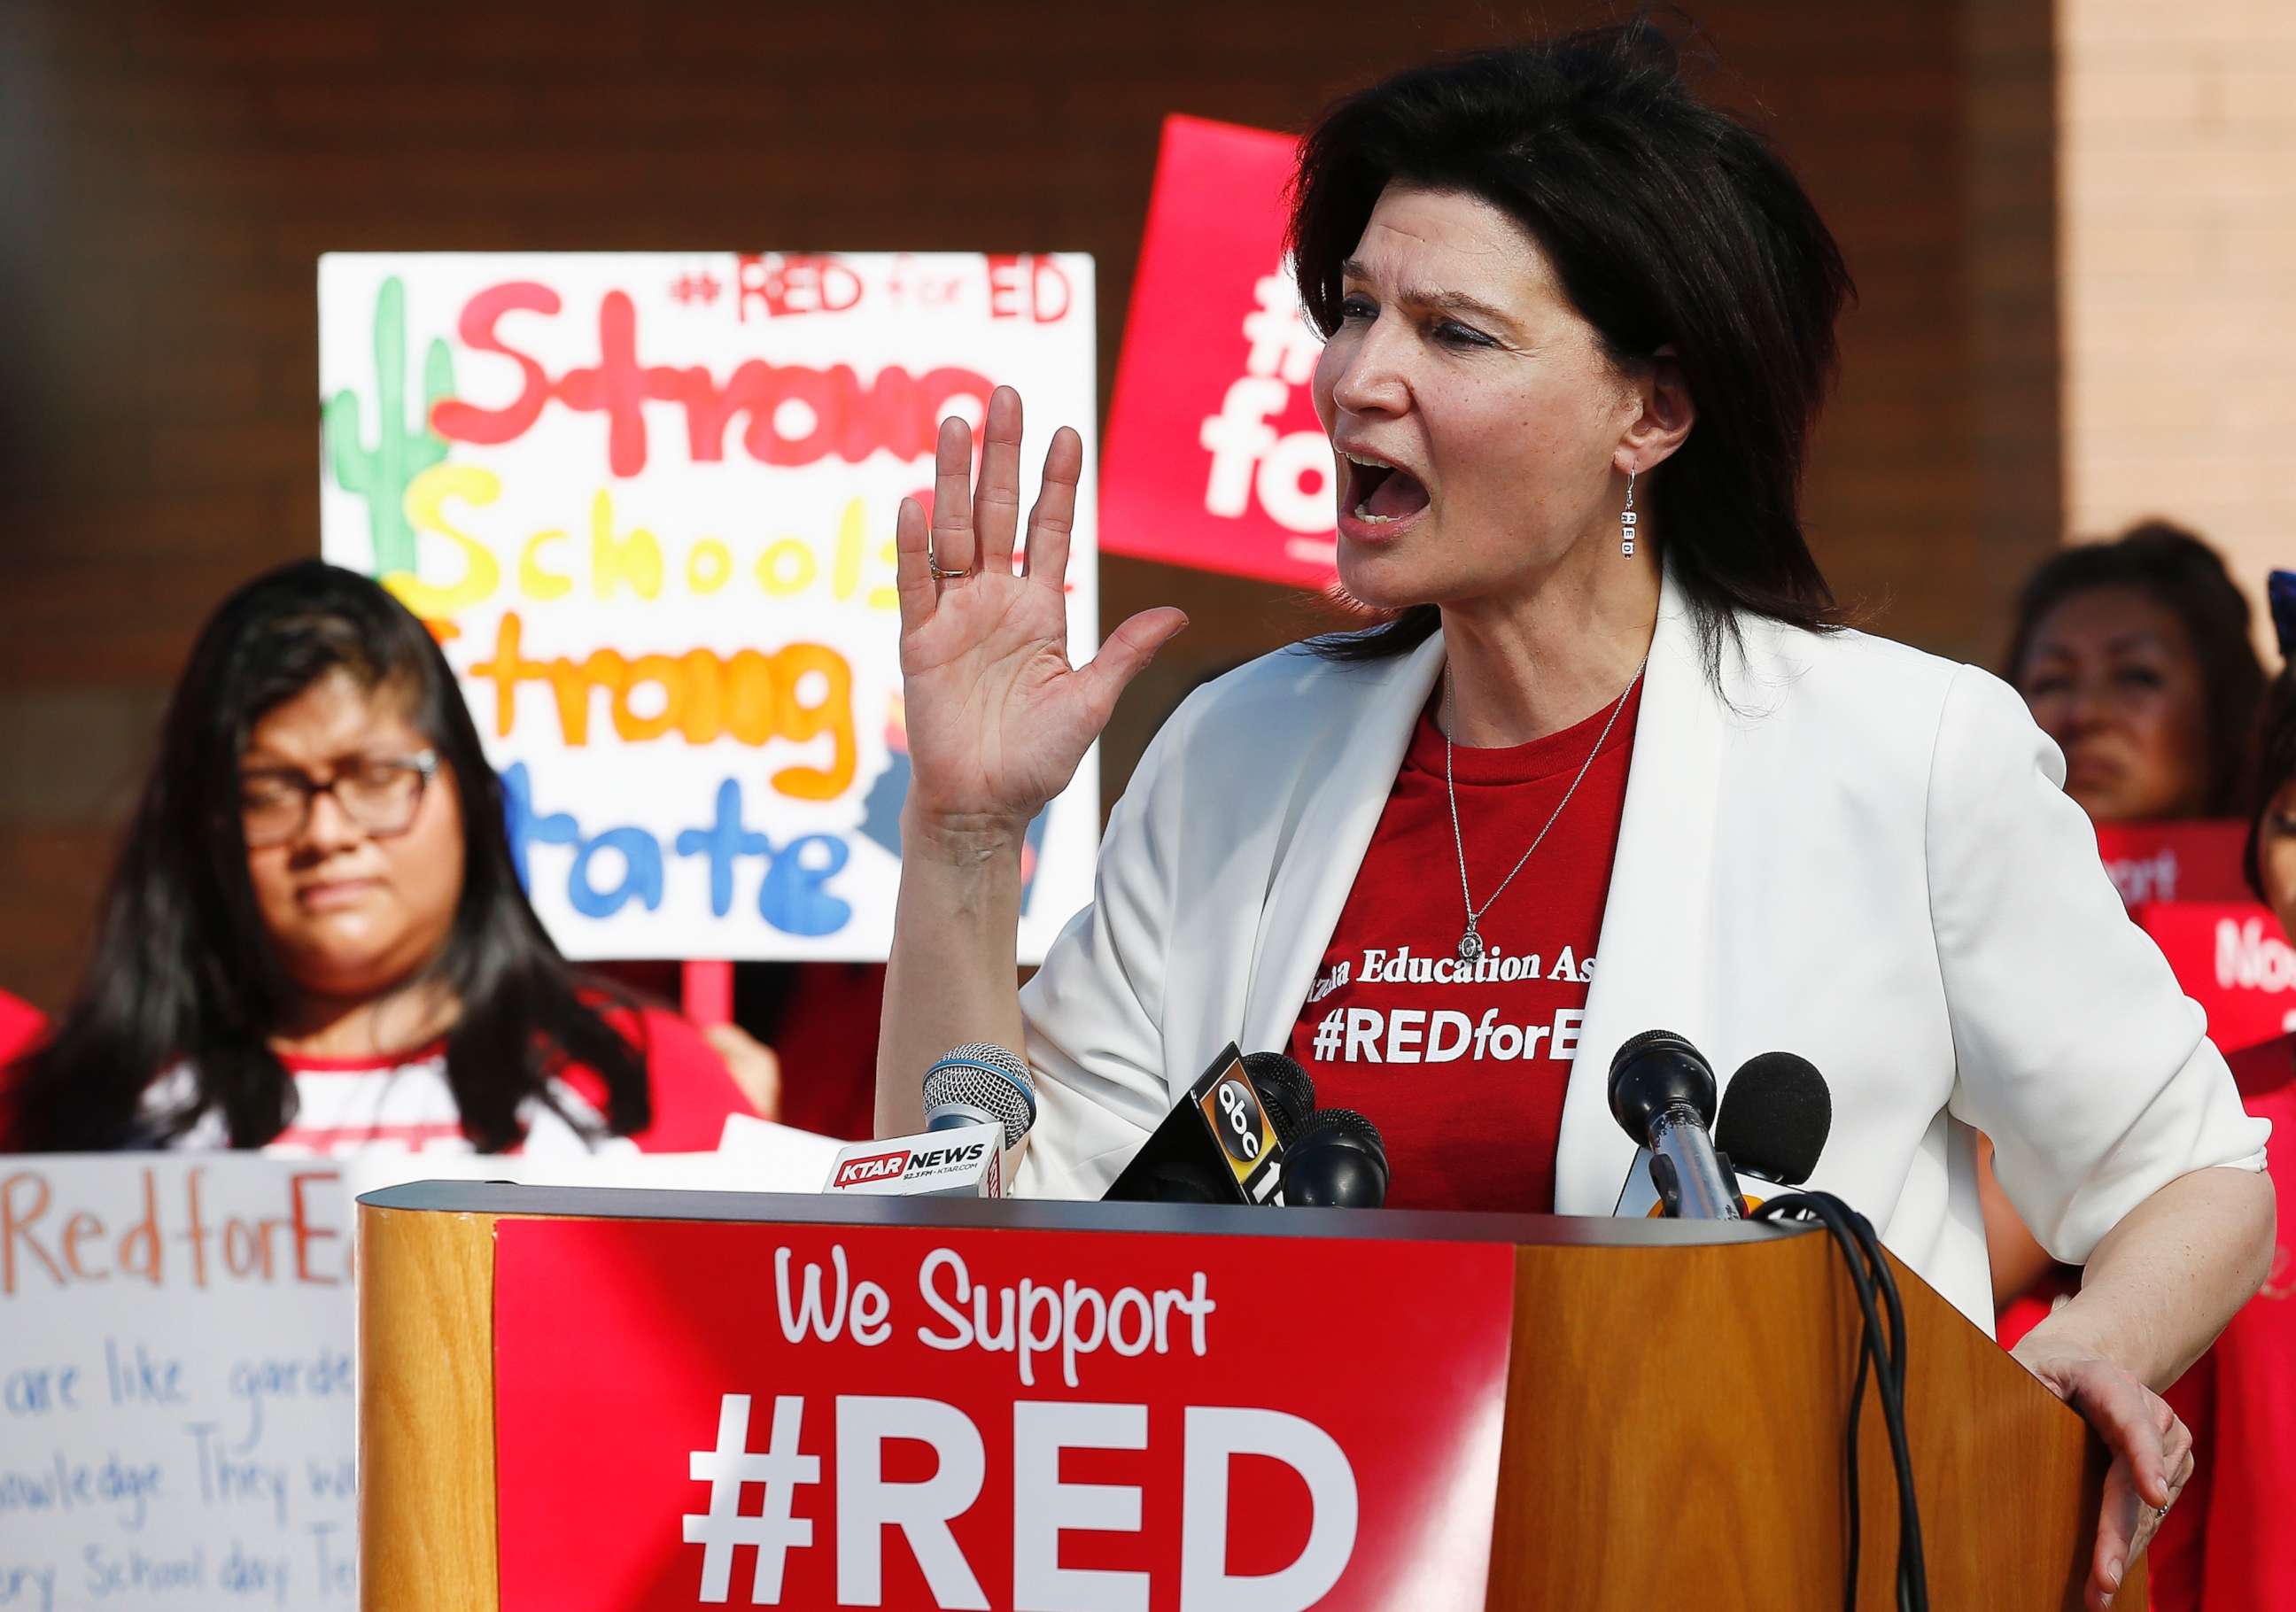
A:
{"x":1218,"y":1145}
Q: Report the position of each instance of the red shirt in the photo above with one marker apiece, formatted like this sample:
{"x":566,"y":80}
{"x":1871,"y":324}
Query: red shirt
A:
{"x":2226,"y":1546}
{"x":1462,"y":1066}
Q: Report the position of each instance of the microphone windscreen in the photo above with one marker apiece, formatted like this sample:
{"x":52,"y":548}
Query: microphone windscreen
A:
{"x":978,"y":1078}
{"x":1776,"y":1113}
{"x":1284,"y":1090}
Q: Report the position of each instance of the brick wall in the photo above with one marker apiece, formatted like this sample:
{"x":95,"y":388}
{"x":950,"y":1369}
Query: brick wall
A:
{"x":170,"y":173}
{"x":2179,"y":291}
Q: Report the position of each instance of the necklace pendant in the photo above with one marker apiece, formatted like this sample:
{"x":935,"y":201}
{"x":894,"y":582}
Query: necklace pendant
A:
{"x":1470,"y":943}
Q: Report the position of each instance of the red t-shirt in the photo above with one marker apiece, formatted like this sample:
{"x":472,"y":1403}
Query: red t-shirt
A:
{"x":2227,"y":1546}
{"x":1460,"y":1065}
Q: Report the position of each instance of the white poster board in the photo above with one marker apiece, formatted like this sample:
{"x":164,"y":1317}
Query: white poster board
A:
{"x":647,"y":501}
{"x":177,"y":1402}
{"x":177,"y":1409}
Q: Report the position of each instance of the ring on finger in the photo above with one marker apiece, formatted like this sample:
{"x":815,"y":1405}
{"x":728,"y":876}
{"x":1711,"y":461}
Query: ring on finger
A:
{"x":943,"y":574}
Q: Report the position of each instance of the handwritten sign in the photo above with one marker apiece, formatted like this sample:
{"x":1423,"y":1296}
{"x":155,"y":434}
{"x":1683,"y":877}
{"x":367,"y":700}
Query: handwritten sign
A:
{"x":176,"y":1397}
{"x":647,"y":502}
{"x":1215,"y":458}
{"x":177,"y":1419}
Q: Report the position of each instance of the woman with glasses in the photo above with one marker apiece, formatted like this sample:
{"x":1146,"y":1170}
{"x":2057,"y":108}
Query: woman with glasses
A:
{"x":315,"y":939}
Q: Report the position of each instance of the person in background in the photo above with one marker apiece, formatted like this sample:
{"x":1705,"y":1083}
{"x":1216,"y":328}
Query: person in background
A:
{"x":2226,"y":1546}
{"x":821,"y":1021}
{"x":2134,"y":655}
{"x":315,"y":939}
{"x":755,"y":1067}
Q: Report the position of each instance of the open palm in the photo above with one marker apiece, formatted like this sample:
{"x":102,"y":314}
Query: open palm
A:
{"x":998,"y":718}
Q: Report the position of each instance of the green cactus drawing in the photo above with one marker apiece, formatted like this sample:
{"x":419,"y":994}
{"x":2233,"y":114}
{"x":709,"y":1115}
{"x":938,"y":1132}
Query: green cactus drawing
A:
{"x":381,"y":474}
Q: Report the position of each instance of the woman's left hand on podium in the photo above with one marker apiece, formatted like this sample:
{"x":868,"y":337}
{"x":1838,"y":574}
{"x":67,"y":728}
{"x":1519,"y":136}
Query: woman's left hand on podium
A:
{"x":2151,"y":1450}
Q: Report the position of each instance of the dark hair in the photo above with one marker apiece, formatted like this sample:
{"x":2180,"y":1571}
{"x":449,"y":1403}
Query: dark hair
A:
{"x":2276,"y":749}
{"x":2276,"y":765}
{"x":1669,"y":224}
{"x":182,"y":970}
{"x":2178,"y":571}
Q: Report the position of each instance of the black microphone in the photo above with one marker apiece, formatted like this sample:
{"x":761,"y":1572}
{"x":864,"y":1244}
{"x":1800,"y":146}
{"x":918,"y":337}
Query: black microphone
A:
{"x":1284,"y":1088}
{"x":1662,"y":1094}
{"x":1776,"y":1113}
{"x":1218,"y":1145}
{"x":1336,"y":1161}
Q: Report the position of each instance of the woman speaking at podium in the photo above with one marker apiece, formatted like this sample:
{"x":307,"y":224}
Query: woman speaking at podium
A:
{"x":1606,"y":763}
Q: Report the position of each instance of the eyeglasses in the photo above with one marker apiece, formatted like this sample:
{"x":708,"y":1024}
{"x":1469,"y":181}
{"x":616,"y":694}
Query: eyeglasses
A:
{"x":381,"y":797}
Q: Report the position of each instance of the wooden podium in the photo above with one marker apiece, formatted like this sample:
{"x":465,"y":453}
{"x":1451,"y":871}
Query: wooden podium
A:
{"x":1674,"y":1419}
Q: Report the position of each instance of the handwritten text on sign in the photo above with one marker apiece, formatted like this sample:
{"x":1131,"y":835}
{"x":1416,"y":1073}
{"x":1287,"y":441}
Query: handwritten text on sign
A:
{"x":647,"y":502}
{"x":912,"y":1419}
{"x":175,"y":1395}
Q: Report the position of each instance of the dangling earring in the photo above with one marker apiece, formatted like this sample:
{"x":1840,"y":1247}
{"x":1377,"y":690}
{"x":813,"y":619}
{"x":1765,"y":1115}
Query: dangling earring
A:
{"x":1627,"y":521}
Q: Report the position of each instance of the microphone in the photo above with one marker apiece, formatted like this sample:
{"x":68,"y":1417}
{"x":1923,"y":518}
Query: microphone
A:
{"x":1662,"y":1094}
{"x":1284,"y":1089}
{"x":1218,"y":1145}
{"x":979,"y":1101}
{"x":1776,"y":1115}
{"x":1336,"y":1161}
{"x":978,"y":1084}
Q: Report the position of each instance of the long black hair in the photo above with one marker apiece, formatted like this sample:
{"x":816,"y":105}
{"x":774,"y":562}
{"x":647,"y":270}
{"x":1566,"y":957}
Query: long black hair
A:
{"x":182,"y":972}
{"x":2276,"y":749}
{"x":2176,"y":571}
{"x":1669,"y":224}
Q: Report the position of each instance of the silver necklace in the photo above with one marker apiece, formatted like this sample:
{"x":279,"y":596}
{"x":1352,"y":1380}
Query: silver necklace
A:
{"x":1470,"y":943}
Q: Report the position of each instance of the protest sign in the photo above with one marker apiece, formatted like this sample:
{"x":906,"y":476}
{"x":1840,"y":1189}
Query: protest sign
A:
{"x":176,"y":1393}
{"x":646,"y":502}
{"x":1215,"y":458}
{"x":2195,"y":859}
{"x":177,"y":1418}
{"x":2231,"y":958}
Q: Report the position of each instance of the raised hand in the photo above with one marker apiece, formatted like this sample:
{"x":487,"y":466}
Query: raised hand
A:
{"x":997,"y":718}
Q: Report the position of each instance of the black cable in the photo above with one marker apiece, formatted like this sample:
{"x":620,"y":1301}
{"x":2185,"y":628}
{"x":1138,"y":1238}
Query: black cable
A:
{"x":1912,"y":1569}
{"x":1882,"y":1344}
{"x":1871,"y":1350}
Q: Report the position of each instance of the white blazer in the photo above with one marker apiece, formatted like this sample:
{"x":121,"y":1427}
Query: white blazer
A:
{"x":1857,"y":852}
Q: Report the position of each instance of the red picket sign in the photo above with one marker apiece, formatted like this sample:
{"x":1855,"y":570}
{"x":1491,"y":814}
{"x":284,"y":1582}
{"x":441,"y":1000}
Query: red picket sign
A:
{"x":2193,"y":860}
{"x":2231,"y":958}
{"x":1214,"y":457}
{"x":912,"y":1419}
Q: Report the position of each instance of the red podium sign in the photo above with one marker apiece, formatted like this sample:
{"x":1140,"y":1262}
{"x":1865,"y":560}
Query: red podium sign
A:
{"x":904,"y":1417}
